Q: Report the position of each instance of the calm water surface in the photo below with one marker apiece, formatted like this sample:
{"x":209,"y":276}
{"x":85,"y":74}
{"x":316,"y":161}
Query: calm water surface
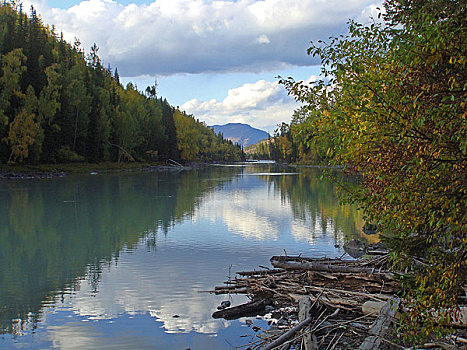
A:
{"x":107,"y":261}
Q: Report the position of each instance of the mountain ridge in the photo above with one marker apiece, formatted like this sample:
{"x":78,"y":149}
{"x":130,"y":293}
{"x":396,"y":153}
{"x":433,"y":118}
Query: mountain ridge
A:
{"x":242,"y":134}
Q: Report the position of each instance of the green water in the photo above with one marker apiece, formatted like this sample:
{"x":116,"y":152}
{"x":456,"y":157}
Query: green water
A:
{"x":120,"y":260}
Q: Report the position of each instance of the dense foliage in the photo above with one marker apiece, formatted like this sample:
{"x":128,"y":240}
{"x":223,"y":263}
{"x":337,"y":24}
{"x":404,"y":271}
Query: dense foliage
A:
{"x":58,"y":104}
{"x":392,"y":106}
{"x":297,"y":142}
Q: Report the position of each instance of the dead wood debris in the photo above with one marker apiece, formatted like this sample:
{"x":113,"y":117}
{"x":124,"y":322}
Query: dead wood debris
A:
{"x":326,"y":296}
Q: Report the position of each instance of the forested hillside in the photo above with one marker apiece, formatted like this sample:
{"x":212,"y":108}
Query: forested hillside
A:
{"x":296,"y":142}
{"x":60,"y":104}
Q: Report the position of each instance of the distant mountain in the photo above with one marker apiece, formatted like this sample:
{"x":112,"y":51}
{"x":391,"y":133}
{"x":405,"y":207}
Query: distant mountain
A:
{"x":243,"y":134}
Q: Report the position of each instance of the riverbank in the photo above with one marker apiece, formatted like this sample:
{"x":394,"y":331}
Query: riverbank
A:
{"x":318,"y":166}
{"x":43,"y":171}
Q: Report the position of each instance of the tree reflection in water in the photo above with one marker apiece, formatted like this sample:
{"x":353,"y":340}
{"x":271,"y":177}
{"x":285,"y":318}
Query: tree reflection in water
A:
{"x":56,"y":233}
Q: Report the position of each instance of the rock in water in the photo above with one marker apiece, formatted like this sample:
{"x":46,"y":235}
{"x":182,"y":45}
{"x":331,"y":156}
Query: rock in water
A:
{"x":355,"y":248}
{"x":225,"y":304}
{"x":370,"y":229}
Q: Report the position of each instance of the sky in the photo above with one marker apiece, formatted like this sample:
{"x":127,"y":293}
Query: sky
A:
{"x":216,"y":59}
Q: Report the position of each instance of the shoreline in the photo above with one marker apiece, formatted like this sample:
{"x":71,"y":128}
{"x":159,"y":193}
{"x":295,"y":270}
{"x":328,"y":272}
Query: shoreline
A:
{"x":48,"y":171}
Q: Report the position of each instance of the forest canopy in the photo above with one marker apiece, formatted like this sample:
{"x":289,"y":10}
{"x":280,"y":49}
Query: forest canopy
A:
{"x":59,"y":104}
{"x":391,"y":106}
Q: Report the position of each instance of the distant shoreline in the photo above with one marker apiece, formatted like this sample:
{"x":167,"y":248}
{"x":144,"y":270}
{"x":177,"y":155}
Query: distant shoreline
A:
{"x":48,"y":171}
{"x":339,"y":167}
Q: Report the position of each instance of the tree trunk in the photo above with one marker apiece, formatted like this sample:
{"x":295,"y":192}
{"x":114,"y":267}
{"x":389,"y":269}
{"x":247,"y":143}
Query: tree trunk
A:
{"x":282,"y":262}
{"x":252,"y":308}
{"x":381,"y":325}
{"x":76,"y":128}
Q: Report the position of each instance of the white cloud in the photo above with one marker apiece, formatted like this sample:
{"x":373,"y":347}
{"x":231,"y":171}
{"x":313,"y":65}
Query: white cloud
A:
{"x":193,"y":36}
{"x":244,"y":215}
{"x":311,"y":79}
{"x":263,"y":39}
{"x":257,"y":212}
{"x":303,"y":232}
{"x":262,"y":104}
{"x":136,"y":290}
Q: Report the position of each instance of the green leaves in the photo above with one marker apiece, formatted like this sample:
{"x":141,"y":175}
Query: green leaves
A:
{"x":395,"y":112}
{"x":24,"y":129}
{"x":81,"y":112}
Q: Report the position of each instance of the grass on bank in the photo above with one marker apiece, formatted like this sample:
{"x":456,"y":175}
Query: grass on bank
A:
{"x":74,"y":167}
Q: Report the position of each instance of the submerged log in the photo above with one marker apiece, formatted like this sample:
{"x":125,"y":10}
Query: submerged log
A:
{"x":252,"y":308}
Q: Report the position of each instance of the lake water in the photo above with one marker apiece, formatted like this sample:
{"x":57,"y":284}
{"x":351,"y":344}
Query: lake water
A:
{"x":121,"y":260}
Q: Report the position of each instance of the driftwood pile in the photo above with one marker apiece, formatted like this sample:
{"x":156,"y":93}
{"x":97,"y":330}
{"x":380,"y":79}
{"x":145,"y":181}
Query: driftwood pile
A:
{"x":338,"y":304}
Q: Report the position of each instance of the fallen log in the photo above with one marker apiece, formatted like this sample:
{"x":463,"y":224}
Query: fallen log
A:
{"x":290,"y":333}
{"x":374,"y":307}
{"x":373,"y":284}
{"x":381,"y":325}
{"x":226,"y":287}
{"x":231,"y":291}
{"x":304,"y":307}
{"x":282,"y":262}
{"x":335,"y":303}
{"x":260,"y":272}
{"x":253,"y":308}
{"x":303,"y":258}
{"x":348,"y":292}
